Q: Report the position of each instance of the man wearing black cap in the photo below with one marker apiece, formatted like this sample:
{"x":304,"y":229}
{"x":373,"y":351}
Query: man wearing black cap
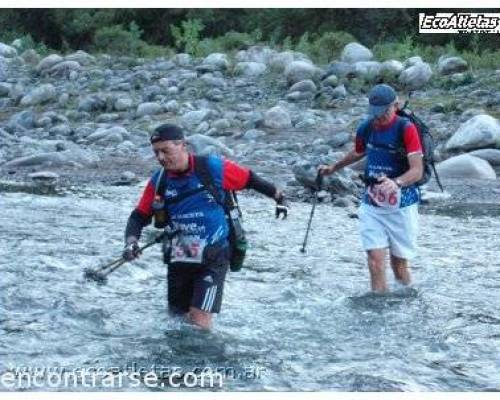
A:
{"x":199,"y":256}
{"x":388,"y":213}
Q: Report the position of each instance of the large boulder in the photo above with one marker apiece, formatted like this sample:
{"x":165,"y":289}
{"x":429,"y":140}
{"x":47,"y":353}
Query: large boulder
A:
{"x":30,"y":57}
{"x":416,"y":76}
{"x":108,"y":136}
{"x":368,"y":70}
{"x":339,"y":184}
{"x":410,"y":62}
{"x":391,"y":68}
{"x":39,"y":95}
{"x":62,"y":69}
{"x":449,"y":65}
{"x":70,"y":157}
{"x":7,"y":51}
{"x":123,"y":104}
{"x":465,"y":166}
{"x":354,"y":52}
{"x":277,"y":118}
{"x":204,"y":145}
{"x":219,"y":61}
{"x":490,"y":155}
{"x":150,"y":108}
{"x":182,"y":59}
{"x":304,"y":86}
{"x":279,"y":61}
{"x":249,"y":68}
{"x":298,"y":71}
{"x":48,"y":62}
{"x":92,"y":103}
{"x":478,"y":132}
{"x":21,"y":121}
{"x":338,"y":68}
{"x":81,"y":58}
{"x":192,"y":119}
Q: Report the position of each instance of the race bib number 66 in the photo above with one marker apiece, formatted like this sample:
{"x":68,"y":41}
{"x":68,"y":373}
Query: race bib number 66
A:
{"x":383,"y":199}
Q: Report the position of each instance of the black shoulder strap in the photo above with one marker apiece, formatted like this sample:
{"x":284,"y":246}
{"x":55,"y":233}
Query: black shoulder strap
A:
{"x":402,"y":123}
{"x":161,"y":183}
{"x":202,"y":170}
{"x":365,"y":130}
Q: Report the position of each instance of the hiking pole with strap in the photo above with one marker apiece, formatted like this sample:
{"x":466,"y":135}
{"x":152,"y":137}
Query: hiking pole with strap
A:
{"x":318,"y":181}
{"x":100,"y":274}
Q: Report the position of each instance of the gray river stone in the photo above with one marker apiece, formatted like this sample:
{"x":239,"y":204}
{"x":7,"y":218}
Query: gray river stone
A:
{"x":204,"y":145}
{"x":478,"y":132}
{"x":40,"y":94}
{"x":490,"y":155}
{"x":72,"y":157}
{"x":465,"y":166}
{"x":298,"y":71}
{"x":354,"y":52}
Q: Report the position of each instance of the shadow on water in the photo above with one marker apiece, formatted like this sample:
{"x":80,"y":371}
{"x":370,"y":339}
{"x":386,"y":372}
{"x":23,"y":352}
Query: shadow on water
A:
{"x":463,"y":210}
{"x":381,"y":301}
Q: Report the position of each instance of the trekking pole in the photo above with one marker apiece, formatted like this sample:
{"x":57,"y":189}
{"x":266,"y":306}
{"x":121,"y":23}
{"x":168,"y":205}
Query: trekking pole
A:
{"x":319,"y":181}
{"x":100,"y":274}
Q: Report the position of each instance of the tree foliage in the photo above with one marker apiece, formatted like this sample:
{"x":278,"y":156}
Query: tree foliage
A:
{"x":64,"y":29}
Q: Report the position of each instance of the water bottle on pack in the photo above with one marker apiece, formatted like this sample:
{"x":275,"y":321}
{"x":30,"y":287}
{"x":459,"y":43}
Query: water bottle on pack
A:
{"x":237,"y":239}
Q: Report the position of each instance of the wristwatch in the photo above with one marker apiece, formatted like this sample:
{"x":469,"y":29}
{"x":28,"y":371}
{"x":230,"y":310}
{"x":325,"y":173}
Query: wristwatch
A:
{"x":398,"y":182}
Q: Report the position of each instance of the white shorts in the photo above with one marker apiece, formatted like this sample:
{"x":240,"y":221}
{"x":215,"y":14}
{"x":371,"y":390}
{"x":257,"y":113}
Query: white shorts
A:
{"x":396,"y":230}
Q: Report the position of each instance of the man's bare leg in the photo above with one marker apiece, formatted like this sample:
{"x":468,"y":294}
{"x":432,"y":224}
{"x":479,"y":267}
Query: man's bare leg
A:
{"x":376,"y":265}
{"x":401,"y":269}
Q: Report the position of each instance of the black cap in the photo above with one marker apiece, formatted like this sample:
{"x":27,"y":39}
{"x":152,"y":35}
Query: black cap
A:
{"x":166,"y":132}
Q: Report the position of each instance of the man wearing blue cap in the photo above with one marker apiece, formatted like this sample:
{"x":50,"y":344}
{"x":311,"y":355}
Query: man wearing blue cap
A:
{"x":388,"y":213}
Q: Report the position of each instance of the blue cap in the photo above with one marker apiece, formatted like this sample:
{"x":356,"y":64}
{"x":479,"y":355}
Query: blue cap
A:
{"x":380,"y":98}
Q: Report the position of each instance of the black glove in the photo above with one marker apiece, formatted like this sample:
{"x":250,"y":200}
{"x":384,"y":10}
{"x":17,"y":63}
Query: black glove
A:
{"x":318,"y":181}
{"x":282,"y":206}
{"x":131,"y":251}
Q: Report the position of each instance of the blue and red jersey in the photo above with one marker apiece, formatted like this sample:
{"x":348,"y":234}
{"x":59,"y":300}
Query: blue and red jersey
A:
{"x":199,"y":214}
{"x":383,"y":145}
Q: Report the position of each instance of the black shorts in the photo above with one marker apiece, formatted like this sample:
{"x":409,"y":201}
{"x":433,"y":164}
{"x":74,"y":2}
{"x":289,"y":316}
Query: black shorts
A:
{"x":198,"y":285}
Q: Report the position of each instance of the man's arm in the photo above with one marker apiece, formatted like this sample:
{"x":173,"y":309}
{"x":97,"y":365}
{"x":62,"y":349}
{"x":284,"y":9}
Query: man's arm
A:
{"x":414,"y":173}
{"x":236,"y":177}
{"x":141,"y":216}
{"x":350,"y":158}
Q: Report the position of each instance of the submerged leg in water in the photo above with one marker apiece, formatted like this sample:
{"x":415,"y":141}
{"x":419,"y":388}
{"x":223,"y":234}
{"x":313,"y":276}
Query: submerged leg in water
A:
{"x":376,"y":265}
{"x":401,"y":269}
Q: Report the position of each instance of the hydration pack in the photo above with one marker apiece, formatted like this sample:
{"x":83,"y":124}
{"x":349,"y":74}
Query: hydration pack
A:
{"x":426,"y":140}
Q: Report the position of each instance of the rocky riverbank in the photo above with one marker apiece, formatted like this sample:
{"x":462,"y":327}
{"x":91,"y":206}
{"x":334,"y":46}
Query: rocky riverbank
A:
{"x":78,"y":119}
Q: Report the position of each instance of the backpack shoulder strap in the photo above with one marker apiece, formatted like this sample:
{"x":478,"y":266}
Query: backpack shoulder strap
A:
{"x":161,"y":183}
{"x":402,"y":122}
{"x":364,"y":130}
{"x":202,"y":170}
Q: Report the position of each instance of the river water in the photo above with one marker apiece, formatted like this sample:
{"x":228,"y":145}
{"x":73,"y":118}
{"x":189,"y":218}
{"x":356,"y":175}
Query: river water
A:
{"x":289,"y":321}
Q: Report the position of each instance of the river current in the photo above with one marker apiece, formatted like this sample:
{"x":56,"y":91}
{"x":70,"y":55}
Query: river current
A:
{"x":289,"y":321}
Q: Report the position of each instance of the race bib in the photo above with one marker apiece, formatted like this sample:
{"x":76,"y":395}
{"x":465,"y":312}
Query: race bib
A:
{"x":188,"y":249}
{"x":385,"y":200}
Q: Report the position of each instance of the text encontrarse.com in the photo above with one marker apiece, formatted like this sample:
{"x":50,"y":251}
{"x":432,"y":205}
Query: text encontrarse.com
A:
{"x":32,"y":378}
